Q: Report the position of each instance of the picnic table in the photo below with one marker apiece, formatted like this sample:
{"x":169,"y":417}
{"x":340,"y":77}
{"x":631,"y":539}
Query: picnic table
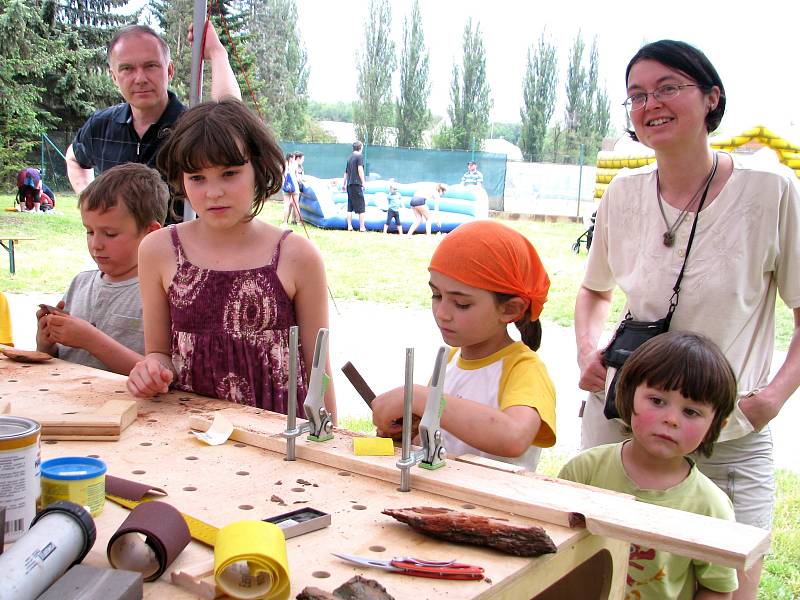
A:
{"x":8,"y":241}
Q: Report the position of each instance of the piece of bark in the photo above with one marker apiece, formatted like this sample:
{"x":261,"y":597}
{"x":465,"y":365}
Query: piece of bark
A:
{"x":361,"y":588}
{"x":355,"y":588}
{"x":454,"y":526}
{"x":314,"y":593}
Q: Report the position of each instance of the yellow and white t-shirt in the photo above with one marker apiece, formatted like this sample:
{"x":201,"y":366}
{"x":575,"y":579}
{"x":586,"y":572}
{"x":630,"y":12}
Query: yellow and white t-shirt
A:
{"x":513,"y":376}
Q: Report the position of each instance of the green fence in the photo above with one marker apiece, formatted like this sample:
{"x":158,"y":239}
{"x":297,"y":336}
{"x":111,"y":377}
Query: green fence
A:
{"x":406,"y":165}
{"x":326,"y":161}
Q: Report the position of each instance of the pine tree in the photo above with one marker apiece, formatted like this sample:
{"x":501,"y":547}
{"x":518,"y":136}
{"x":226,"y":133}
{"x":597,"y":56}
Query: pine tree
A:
{"x":27,"y":55}
{"x":413,"y":115}
{"x":374,"y":109}
{"x":470,"y":96}
{"x":82,"y":84}
{"x":539,"y":98}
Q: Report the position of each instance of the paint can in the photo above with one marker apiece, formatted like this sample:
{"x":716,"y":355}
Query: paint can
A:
{"x":78,"y":479}
{"x":19,"y":473}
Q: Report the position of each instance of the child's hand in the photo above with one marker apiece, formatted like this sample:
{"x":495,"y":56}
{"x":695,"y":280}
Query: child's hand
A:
{"x":387,"y":412}
{"x":67,"y":330}
{"x":44,"y":341}
{"x":149,"y":377}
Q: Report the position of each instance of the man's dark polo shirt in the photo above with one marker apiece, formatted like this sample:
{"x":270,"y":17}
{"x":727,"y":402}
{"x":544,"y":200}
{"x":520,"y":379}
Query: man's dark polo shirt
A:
{"x":108,"y":138}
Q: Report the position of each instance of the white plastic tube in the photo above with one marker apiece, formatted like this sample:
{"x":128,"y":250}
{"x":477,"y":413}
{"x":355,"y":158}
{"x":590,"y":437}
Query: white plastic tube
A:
{"x":57,"y":540}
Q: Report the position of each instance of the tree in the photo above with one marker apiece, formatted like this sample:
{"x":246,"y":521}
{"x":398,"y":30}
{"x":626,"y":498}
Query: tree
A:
{"x":413,"y":115}
{"x":281,"y":69}
{"x":506,"y":131}
{"x":81,"y":84}
{"x":26,"y":56}
{"x":575,"y":86}
{"x":587,"y":117}
{"x":373,"y":111}
{"x":470,"y":96}
{"x":539,"y":98}
{"x":173,"y":18}
{"x":331,"y":111}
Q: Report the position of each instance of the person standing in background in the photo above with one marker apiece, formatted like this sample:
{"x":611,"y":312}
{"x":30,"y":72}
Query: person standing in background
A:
{"x":472,"y":176}
{"x":353,"y":184}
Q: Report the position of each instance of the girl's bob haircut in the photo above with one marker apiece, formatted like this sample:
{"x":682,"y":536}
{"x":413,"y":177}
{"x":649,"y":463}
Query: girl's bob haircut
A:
{"x":685,"y":362}
{"x":224,"y":133}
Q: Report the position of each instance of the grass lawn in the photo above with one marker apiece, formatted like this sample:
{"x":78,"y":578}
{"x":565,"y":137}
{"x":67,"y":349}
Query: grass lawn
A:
{"x":387,"y":269}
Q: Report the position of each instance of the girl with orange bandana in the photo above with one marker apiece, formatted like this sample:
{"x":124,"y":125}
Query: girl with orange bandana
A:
{"x":499,"y":399}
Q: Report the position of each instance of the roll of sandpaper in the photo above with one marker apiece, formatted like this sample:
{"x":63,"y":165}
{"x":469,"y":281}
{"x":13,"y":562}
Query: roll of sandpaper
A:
{"x":166,"y":535}
{"x":250,"y":561}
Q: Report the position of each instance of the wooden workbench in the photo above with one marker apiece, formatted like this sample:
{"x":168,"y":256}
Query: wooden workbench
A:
{"x":236,"y":481}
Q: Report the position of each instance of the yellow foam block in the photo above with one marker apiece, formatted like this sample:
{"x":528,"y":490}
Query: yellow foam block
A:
{"x":373,"y":446}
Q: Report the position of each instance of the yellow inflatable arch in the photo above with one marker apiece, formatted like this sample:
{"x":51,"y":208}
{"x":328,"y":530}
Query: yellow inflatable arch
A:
{"x":609,"y":163}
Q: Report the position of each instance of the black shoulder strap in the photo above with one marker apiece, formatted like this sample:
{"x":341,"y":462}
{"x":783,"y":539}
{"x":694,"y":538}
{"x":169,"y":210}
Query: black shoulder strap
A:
{"x":673,"y":301}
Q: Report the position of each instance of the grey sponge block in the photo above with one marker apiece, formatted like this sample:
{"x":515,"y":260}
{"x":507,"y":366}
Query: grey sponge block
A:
{"x":83,"y":582}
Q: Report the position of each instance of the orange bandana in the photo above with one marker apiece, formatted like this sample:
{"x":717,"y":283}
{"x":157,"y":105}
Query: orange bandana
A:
{"x":491,"y":256}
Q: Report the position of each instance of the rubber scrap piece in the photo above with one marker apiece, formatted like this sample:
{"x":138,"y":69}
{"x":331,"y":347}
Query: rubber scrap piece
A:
{"x":83,"y":582}
{"x":355,"y":588}
{"x":476,"y":530}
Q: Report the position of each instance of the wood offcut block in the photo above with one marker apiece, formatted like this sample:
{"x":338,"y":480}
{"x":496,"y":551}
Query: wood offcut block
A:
{"x":105,"y":423}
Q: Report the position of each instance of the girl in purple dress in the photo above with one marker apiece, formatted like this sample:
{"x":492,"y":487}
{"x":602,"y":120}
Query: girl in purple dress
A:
{"x":220,"y":292}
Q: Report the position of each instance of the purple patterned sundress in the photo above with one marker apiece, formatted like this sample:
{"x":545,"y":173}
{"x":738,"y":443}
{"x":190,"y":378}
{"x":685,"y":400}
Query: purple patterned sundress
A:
{"x":230,"y":333}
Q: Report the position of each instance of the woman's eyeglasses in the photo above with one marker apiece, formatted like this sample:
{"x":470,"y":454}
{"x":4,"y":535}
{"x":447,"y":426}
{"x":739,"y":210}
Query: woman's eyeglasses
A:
{"x":638,"y":100}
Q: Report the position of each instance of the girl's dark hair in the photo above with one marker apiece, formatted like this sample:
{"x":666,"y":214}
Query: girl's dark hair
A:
{"x":224,"y":133}
{"x":690,"y":61}
{"x":686,"y":362}
{"x":529,"y":331}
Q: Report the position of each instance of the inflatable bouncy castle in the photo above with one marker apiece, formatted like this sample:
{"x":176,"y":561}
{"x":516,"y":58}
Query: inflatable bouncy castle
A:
{"x":609,"y":163}
{"x":323,"y":204}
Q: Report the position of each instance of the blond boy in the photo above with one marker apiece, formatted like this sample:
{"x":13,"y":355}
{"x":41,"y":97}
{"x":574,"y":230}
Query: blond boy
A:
{"x":99,"y":321}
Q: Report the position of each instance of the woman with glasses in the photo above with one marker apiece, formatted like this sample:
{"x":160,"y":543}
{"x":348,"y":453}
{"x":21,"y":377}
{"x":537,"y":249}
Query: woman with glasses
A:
{"x":743,"y":252}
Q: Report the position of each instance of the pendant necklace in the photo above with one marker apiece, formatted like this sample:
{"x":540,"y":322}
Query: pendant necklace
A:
{"x":669,"y":235}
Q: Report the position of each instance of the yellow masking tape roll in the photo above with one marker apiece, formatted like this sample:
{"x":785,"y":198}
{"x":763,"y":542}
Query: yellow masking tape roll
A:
{"x":250,"y":561}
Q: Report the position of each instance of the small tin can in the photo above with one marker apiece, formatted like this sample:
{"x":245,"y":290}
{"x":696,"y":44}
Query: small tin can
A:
{"x":78,"y":479}
{"x":19,"y":473}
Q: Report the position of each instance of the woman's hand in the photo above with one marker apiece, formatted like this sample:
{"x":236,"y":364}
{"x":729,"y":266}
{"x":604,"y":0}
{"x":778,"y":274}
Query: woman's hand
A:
{"x":593,"y":372}
{"x":150,"y":377}
{"x":760,"y":408}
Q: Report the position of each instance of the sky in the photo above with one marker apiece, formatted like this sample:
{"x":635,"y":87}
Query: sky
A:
{"x":750,"y":44}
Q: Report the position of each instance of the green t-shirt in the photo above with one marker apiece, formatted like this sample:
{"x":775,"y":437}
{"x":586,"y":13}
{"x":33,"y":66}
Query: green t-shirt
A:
{"x":656,"y":575}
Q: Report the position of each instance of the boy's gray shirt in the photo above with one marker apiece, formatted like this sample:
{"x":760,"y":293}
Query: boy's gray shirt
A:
{"x":114,"y":308}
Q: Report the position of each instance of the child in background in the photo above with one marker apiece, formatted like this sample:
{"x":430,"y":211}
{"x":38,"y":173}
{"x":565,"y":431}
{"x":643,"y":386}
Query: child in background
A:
{"x":99,"y":321}
{"x":393,"y":212}
{"x":291,"y":191}
{"x":675,"y":392}
{"x":500,"y":401}
{"x":423,"y":195}
{"x":221,"y":292}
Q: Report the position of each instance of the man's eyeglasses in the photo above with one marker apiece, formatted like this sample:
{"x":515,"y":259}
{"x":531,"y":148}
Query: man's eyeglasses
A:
{"x":638,"y":100}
